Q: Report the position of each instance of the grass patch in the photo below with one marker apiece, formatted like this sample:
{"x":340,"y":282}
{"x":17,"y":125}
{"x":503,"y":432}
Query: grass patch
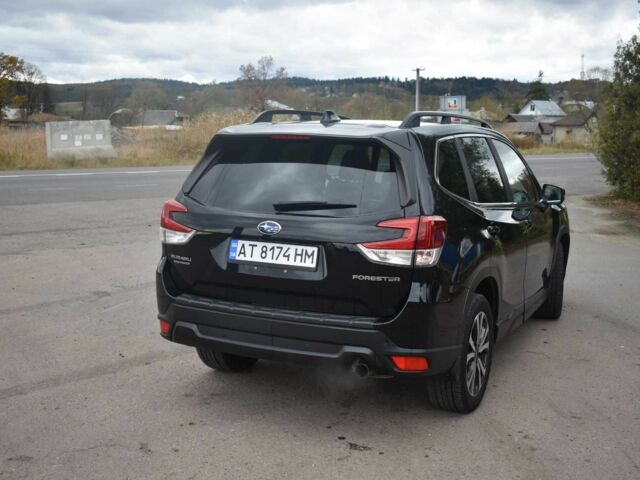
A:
{"x":553,"y":149}
{"x":25,"y":149}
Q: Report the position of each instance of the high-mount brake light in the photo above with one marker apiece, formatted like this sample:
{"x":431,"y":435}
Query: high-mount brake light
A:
{"x":172,"y":232}
{"x":421,"y":242}
{"x":290,"y":137}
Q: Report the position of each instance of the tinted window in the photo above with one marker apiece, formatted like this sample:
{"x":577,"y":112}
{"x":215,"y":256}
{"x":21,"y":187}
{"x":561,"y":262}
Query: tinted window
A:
{"x":450,"y":172}
{"x":254,"y":174}
{"x":520,"y":181}
{"x":484,"y":170}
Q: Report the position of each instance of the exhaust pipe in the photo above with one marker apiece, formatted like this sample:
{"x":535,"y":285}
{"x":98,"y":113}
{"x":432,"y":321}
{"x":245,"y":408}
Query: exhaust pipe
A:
{"x":360,"y":368}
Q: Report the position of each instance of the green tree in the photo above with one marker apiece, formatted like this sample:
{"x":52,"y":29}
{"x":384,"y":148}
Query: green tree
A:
{"x":10,"y":69}
{"x":261,"y":82}
{"x":537,"y":90}
{"x":619,"y":129}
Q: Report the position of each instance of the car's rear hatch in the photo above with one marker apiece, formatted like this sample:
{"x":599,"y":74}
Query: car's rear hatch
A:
{"x":278,"y":220}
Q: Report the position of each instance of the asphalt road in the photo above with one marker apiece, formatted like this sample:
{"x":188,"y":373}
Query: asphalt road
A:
{"x":88,"y":389}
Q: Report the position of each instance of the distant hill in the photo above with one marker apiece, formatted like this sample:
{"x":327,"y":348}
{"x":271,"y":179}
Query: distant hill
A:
{"x":122,"y":88}
{"x":473,"y":87}
{"x":373,"y":97}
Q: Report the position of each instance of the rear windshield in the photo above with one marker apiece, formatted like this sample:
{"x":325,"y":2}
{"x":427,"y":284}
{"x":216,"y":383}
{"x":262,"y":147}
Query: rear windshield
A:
{"x":300,"y":176}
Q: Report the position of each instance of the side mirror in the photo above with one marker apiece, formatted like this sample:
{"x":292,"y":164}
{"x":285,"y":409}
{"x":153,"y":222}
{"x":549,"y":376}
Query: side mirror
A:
{"x":552,"y":195}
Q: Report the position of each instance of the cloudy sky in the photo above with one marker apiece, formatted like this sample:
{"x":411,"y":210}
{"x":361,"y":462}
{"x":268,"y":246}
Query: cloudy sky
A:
{"x":205,"y":40}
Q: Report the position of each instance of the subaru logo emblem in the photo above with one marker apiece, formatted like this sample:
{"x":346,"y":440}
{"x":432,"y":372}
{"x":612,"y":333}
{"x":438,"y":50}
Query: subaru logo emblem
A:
{"x":269,"y":228}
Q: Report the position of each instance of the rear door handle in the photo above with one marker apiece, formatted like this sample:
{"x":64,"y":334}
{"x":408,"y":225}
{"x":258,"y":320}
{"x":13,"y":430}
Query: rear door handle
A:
{"x":493,"y":230}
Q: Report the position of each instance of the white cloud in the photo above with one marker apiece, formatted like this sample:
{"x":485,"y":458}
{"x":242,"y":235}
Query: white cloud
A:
{"x":200,"y":41}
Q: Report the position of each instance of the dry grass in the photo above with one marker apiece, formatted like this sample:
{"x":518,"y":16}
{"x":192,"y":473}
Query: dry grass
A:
{"x":526,"y":143}
{"x":26,"y":149}
{"x":528,"y":146}
{"x":22,"y":149}
{"x":557,"y":148}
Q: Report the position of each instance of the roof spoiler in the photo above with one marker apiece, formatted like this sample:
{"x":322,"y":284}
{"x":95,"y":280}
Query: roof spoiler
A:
{"x":327,"y":117}
{"x":413,"y":119}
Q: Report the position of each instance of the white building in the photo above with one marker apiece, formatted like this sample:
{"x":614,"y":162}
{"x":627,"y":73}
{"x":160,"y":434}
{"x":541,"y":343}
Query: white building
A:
{"x":542,"y":108}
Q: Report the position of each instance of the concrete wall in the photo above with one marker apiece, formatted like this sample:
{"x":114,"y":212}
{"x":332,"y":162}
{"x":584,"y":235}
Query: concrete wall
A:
{"x":79,"y":139}
{"x":574,"y":134}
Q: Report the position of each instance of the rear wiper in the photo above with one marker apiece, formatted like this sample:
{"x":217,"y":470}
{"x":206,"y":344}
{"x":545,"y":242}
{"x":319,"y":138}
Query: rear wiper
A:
{"x":309,"y":205}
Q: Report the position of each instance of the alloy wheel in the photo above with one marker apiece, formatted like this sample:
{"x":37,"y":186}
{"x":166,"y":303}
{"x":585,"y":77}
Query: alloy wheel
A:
{"x":478,"y":354}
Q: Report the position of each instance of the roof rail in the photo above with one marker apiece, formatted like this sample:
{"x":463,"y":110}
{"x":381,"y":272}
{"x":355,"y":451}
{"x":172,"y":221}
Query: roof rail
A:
{"x":413,"y":119}
{"x":305,"y":115}
{"x":329,"y":117}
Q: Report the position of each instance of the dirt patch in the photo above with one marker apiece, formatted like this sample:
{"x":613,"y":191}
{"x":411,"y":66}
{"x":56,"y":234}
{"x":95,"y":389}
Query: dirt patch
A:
{"x":622,"y":210}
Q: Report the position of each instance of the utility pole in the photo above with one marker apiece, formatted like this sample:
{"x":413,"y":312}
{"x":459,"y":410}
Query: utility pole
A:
{"x":583,"y":76}
{"x":417,"y":70}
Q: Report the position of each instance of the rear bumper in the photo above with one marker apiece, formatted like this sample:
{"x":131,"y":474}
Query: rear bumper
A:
{"x":253,"y":333}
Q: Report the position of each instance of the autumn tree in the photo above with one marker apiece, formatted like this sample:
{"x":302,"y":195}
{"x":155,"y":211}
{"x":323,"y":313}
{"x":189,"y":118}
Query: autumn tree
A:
{"x":147,"y":96}
{"x":31,"y":80}
{"x":599,"y":73}
{"x":490,"y":104}
{"x":47,"y":102}
{"x":10,"y":69}
{"x":261,"y":83}
{"x":104,"y":100}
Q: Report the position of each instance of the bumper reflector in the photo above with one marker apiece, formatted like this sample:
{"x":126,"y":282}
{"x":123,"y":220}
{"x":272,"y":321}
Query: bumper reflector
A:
{"x":410,"y":364}
{"x":165,"y":327}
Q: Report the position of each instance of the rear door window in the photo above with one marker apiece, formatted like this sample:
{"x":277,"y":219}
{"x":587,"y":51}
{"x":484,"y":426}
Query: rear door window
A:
{"x":450,"y":172}
{"x":338,"y":177}
{"x":484,"y":170}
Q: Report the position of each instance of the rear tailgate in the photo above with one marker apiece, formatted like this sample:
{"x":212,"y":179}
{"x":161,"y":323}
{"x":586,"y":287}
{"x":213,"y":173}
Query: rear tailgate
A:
{"x":279,"y":220}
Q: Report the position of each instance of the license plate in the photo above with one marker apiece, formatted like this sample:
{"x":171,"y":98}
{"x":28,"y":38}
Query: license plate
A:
{"x":296,"y":256}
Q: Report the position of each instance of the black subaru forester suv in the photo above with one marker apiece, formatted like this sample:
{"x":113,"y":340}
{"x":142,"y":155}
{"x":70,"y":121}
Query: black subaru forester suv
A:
{"x":394,"y":248}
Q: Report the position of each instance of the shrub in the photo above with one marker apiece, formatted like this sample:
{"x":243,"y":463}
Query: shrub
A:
{"x":619,"y":129}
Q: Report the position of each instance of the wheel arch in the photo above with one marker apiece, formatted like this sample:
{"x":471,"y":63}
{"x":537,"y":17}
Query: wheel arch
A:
{"x":487,"y":282}
{"x":488,"y":288}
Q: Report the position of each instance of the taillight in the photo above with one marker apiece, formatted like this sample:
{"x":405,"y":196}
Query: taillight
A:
{"x":420,"y":244}
{"x":171,"y":231}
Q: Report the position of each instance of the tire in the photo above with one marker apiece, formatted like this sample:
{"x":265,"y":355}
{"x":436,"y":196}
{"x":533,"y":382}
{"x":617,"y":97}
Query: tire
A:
{"x":551,"y":309}
{"x":452,"y":391}
{"x":225,"y":362}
